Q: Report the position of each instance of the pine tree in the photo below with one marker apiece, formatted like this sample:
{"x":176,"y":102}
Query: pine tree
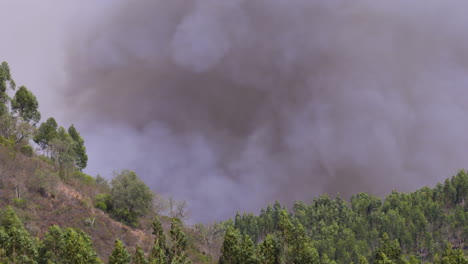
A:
{"x":269,"y":251}
{"x":179,"y":243}
{"x":389,"y":250}
{"x":139,"y":257}
{"x":119,"y":255}
{"x":16,"y":243}
{"x":230,"y":250}
{"x":159,"y":251}
{"x":52,"y":246}
{"x":247,"y":251}
{"x":452,"y":256}
{"x":301,"y":249}
{"x":78,"y":248}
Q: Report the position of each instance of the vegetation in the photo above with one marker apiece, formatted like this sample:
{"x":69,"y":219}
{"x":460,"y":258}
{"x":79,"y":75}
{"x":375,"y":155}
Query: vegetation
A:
{"x":404,"y":228}
{"x":52,"y":212}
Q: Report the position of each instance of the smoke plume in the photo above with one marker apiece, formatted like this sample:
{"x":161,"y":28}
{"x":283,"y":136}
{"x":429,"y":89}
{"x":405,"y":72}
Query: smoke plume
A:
{"x":234,"y":104}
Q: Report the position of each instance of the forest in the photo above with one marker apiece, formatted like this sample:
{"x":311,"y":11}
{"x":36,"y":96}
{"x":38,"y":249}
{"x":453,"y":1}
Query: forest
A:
{"x":52,"y":212}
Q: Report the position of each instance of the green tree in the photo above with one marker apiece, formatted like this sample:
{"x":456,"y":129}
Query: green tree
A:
{"x":52,"y":246}
{"x":230,"y":251}
{"x":5,"y":79}
{"x":25,"y":104}
{"x":389,"y":251}
{"x":119,"y":255}
{"x":179,"y":243}
{"x":159,"y":251}
{"x":131,"y":197}
{"x":139,"y":257}
{"x":78,"y":248}
{"x":62,"y":152}
{"x":46,"y":132}
{"x":301,"y":248}
{"x":269,"y":251}
{"x":247,"y":251}
{"x":452,"y":256}
{"x":363,"y":260}
{"x":81,"y":158}
{"x":17,"y":244}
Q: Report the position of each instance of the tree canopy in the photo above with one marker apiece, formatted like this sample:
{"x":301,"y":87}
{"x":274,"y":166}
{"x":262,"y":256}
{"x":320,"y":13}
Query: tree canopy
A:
{"x":131,"y":197}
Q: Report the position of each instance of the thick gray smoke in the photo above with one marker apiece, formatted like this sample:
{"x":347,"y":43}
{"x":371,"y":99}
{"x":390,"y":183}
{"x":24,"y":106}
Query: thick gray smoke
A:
{"x":234,"y":104}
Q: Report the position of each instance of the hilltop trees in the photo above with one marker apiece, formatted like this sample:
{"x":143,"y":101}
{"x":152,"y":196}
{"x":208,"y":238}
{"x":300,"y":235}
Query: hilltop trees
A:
{"x":402,"y":228}
{"x":46,"y":132}
{"x":79,"y":149}
{"x":67,"y":150}
{"x":5,"y":82}
{"x":16,"y":126}
{"x":26,"y":106}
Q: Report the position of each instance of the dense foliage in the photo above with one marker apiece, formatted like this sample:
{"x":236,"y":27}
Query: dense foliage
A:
{"x":73,"y":246}
{"x":403,"y":228}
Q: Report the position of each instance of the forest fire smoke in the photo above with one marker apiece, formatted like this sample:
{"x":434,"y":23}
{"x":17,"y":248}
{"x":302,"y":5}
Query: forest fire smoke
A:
{"x":235,"y":104}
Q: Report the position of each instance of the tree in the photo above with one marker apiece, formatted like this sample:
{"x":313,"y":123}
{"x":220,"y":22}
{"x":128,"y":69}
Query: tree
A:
{"x":247,"y":251}
{"x":389,"y":250}
{"x":119,"y":255}
{"x":81,"y":158}
{"x":269,"y":251}
{"x":25,"y":104}
{"x":131,"y":197}
{"x":52,"y":246}
{"x":5,"y":79}
{"x":230,"y":250}
{"x":46,"y":132}
{"x":62,"y":151}
{"x":301,"y":248}
{"x":78,"y":248}
{"x":15,"y":241}
{"x":452,"y":256}
{"x":179,"y":243}
{"x":139,"y":257}
{"x":13,"y":128}
{"x":159,"y":252}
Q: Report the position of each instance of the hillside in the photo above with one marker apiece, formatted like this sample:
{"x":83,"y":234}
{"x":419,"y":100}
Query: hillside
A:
{"x":419,"y":227}
{"x":52,"y":212}
{"x":422,"y":222}
{"x":41,"y":199}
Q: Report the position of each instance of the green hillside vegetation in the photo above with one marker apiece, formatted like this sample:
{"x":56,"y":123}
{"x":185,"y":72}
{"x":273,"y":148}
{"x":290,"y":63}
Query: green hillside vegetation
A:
{"x":425,"y":226}
{"x":64,"y":210}
{"x":52,"y":212}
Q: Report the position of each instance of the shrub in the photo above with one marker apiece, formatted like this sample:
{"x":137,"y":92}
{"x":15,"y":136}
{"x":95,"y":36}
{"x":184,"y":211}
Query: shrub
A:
{"x":27,"y":150}
{"x":125,"y":216}
{"x":85,"y":178}
{"x":19,"y":203}
{"x":103,"y":201}
{"x":7,"y":142}
{"x":102,"y":206}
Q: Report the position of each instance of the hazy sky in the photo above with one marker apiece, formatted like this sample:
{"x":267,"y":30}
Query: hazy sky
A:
{"x":231,"y":105}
